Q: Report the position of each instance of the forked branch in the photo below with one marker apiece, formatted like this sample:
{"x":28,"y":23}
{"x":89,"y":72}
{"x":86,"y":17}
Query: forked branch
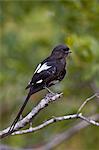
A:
{"x":42,"y":104}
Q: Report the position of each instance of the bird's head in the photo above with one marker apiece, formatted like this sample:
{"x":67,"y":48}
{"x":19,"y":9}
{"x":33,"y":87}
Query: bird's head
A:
{"x":61,"y":51}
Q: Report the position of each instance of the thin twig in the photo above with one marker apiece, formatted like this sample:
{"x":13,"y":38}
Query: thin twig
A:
{"x":86,"y":101}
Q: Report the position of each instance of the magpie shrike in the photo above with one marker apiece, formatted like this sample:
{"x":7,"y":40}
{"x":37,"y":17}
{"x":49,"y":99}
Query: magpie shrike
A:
{"x":48,"y":72}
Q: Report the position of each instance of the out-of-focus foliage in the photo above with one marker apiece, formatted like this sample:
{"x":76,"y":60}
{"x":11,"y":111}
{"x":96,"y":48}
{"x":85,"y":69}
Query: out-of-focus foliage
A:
{"x":28,"y":32}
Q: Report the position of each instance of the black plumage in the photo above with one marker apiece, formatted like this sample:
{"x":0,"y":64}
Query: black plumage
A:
{"x":47,"y":73}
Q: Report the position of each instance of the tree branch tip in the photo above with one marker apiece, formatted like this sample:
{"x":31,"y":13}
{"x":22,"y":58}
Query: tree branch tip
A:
{"x":60,"y":95}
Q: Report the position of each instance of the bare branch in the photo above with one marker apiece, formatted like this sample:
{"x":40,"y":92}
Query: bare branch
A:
{"x":56,"y":119}
{"x":66,"y":135}
{"x":59,"y":138}
{"x":87,"y":100}
{"x":42,"y":104}
{"x":46,"y":123}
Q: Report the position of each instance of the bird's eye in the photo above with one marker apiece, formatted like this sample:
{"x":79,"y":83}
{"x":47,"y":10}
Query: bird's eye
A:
{"x":65,"y":49}
{"x":68,"y":49}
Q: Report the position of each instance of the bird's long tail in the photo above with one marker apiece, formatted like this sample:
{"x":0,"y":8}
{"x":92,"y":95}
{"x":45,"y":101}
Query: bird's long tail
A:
{"x":32,"y":91}
{"x":19,"y":113}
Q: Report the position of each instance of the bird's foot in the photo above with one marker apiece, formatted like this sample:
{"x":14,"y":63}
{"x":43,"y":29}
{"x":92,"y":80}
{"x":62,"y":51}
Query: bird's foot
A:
{"x":49,"y":90}
{"x":21,"y":117}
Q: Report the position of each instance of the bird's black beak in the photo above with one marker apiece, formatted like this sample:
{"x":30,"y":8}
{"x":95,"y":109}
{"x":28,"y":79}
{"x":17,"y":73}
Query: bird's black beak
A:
{"x":70,"y":52}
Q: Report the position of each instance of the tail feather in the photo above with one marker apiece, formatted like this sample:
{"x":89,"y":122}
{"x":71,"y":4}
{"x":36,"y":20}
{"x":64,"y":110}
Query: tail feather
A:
{"x":32,"y":91}
{"x":19,"y":113}
{"x":28,"y":86}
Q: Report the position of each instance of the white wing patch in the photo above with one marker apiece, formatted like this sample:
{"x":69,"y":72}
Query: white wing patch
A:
{"x":38,"y":67}
{"x":43,"y":67}
{"x":39,"y":81}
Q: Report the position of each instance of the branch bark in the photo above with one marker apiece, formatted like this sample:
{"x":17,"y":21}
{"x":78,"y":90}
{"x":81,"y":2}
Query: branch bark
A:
{"x":66,"y":135}
{"x":42,"y":104}
{"x":56,"y":119}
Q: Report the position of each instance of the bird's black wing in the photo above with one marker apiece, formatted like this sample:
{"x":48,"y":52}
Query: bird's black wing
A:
{"x":43,"y":74}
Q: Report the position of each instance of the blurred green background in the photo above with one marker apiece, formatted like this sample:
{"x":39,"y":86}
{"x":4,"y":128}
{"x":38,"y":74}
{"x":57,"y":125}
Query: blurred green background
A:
{"x":28,"y":32}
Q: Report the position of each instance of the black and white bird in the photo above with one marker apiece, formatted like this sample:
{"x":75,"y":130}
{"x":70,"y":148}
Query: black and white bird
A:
{"x":48,"y":72}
